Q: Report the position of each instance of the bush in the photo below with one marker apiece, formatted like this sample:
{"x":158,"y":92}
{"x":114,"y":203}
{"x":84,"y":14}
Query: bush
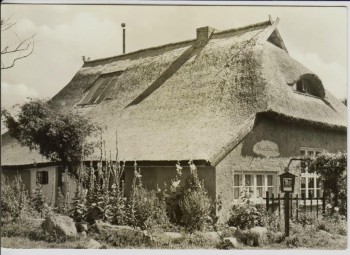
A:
{"x":244,"y":214}
{"x":15,"y":201}
{"x":195,"y":209}
{"x":332,"y":169}
{"x":144,"y":209}
{"x":188,"y":204}
{"x":39,"y":202}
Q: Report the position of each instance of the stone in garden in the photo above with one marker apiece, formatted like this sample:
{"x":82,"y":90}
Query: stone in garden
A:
{"x":261,"y":232}
{"x":322,"y":232}
{"x":238,"y":234}
{"x":108,"y":229}
{"x":231,"y":241}
{"x":81,"y":226}
{"x":92,"y":244}
{"x":82,"y":234}
{"x":94,"y":214}
{"x":212,"y":236}
{"x":60,"y":225}
{"x":231,"y":231}
{"x":173,"y":235}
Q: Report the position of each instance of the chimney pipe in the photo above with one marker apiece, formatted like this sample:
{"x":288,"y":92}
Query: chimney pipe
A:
{"x":123,"y":26}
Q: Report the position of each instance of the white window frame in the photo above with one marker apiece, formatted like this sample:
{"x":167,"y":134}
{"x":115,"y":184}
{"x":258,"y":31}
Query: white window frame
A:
{"x":253,"y":185}
{"x":313,"y":152}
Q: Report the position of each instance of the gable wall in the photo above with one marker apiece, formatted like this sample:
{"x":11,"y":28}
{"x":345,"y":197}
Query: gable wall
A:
{"x":289,"y":139}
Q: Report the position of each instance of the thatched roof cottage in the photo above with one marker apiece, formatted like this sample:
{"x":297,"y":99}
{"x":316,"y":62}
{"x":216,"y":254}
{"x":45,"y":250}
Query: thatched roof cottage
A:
{"x":233,"y":101}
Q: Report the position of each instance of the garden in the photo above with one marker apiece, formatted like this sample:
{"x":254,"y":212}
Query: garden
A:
{"x":181,"y":216}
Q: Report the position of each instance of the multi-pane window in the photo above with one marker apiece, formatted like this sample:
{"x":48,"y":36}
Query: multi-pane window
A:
{"x":42,"y":177}
{"x":101,"y":88}
{"x":257,"y":184}
{"x":310,"y":184}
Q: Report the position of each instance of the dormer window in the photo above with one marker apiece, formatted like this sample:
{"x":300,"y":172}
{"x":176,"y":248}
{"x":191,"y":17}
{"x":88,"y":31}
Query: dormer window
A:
{"x":100,"y":89}
{"x":309,"y":84}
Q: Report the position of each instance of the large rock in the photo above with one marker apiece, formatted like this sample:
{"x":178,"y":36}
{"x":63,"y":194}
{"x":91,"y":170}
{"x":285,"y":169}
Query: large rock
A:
{"x":89,"y":244}
{"x":92,"y":244}
{"x":231,"y":242}
{"x":129,"y":232}
{"x":81,"y":226}
{"x":173,"y":235}
{"x":211,"y":236}
{"x":59,"y":225}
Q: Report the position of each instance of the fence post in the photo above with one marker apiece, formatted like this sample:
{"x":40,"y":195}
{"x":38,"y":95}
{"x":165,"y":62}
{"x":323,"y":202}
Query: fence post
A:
{"x":291,"y":206}
{"x":286,"y":213}
{"x":324,"y":203}
{"x":304,"y":197}
{"x":267,"y":201}
{"x":311,"y":203}
{"x":297,"y":199}
{"x":273,"y":202}
{"x":279,"y":205}
{"x":317,"y":205}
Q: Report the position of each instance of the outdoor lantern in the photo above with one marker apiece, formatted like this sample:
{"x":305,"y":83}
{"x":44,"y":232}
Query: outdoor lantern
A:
{"x":287,"y":182}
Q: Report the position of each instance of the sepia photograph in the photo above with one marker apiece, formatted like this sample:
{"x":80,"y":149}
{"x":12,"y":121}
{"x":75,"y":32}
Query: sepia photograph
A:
{"x":174,"y":126}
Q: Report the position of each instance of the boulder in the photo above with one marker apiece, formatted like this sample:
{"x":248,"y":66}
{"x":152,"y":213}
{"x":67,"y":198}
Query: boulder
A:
{"x":173,"y":235}
{"x":231,"y":231}
{"x":81,"y":226}
{"x":59,"y":225}
{"x":127,"y":231}
{"x":211,"y":236}
{"x":82,"y":234}
{"x":231,"y":242}
{"x":238,"y":234}
{"x":91,"y":244}
{"x":94,"y":214}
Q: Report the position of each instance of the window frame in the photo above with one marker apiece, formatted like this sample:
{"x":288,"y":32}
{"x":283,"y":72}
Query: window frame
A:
{"x":42,"y":177}
{"x":99,"y":89}
{"x":253,"y":187}
{"x":316,"y":189}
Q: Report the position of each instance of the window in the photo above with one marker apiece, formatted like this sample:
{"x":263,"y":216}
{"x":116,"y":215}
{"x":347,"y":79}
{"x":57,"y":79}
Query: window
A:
{"x":310,"y":185}
{"x":100,"y":89}
{"x":42,"y":177}
{"x":257,"y":183}
{"x":309,"y":84}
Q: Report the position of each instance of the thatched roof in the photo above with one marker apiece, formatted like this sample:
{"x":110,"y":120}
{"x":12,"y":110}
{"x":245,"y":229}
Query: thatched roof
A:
{"x":187,"y":100}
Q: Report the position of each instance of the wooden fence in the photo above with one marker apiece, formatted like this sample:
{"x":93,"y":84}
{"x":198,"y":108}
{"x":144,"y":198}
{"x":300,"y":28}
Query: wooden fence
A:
{"x":302,"y":204}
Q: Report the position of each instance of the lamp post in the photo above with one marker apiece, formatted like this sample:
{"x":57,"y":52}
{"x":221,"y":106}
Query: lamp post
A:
{"x":287,"y":186}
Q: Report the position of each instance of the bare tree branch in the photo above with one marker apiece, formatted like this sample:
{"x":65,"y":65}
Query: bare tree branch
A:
{"x":18,"y":58}
{"x":22,"y":49}
{"x":6,"y":24}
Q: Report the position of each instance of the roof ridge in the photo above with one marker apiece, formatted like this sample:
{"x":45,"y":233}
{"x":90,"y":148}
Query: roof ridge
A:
{"x":87,"y":62}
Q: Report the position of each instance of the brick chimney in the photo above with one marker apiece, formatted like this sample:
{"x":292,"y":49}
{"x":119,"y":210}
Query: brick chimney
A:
{"x":203,"y":35}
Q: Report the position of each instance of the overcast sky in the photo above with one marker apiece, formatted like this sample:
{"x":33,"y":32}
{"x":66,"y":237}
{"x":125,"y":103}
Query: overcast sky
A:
{"x":315,"y":36}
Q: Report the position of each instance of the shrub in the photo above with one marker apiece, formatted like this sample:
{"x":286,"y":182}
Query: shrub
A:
{"x":244,"y":214}
{"x":248,"y":238}
{"x":15,"y":201}
{"x":305,"y":219}
{"x":39,"y":202}
{"x":187,"y":202}
{"x":272,"y":221}
{"x":292,"y":241}
{"x":195,"y":209}
{"x":144,"y":209}
{"x":332,"y":169}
